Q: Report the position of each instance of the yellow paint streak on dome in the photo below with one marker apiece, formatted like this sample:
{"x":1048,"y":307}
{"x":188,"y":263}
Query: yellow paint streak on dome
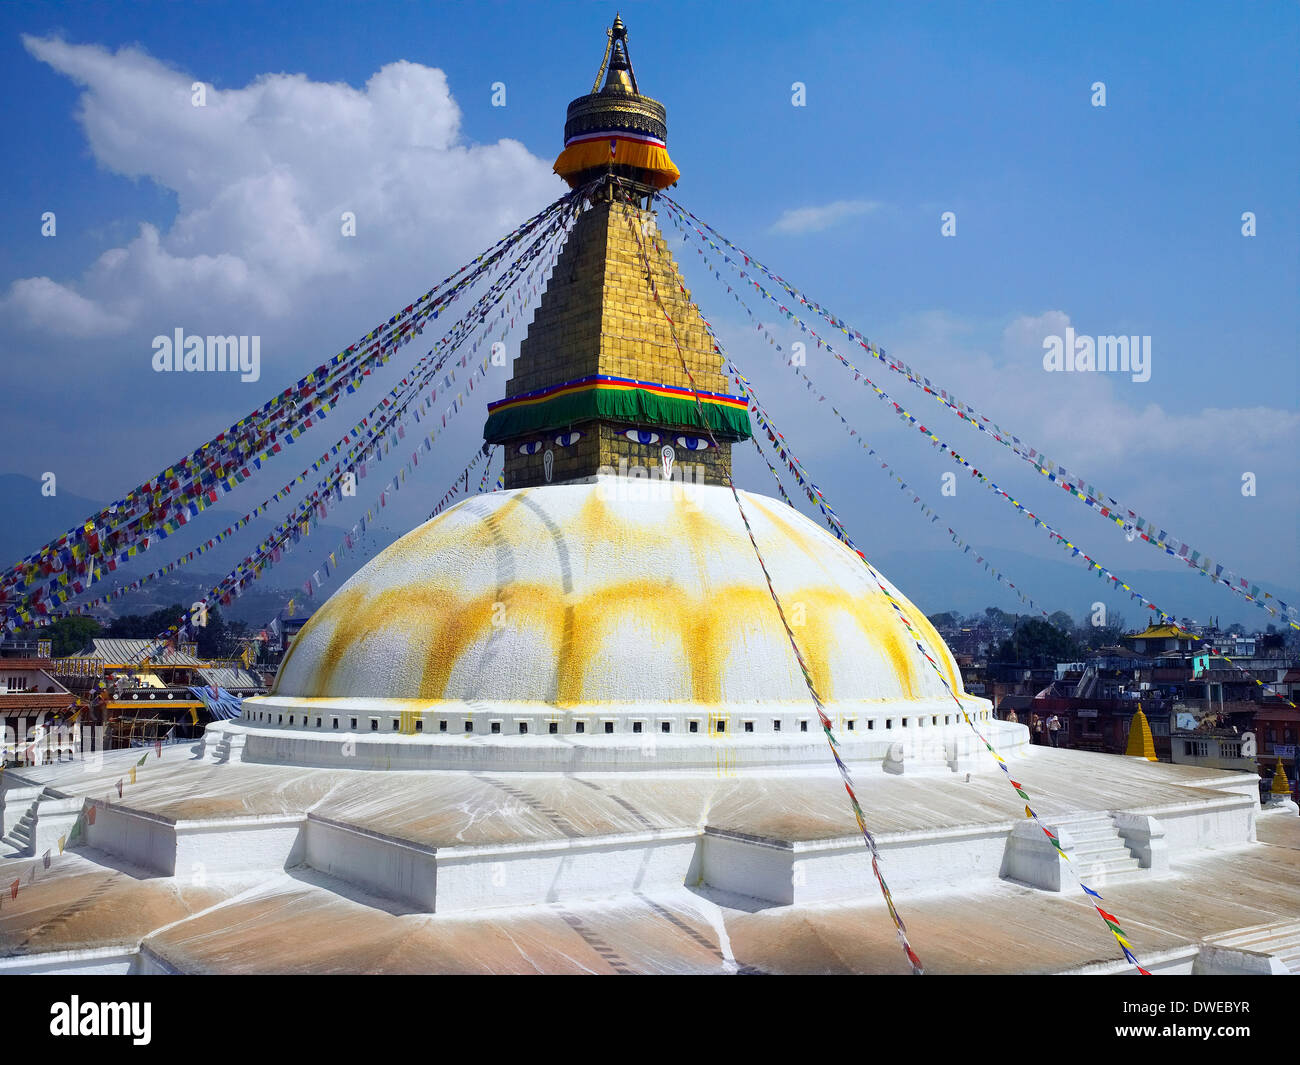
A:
{"x":527,"y":607}
{"x":935,"y":642}
{"x":891,"y":635}
{"x":359,"y":612}
{"x":882,"y":629}
{"x":317,"y":619}
{"x":814,"y":550}
{"x":659,"y":603}
{"x":441,"y":532}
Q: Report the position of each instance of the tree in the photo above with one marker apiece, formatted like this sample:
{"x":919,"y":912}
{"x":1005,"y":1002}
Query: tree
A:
{"x":211,"y":637}
{"x":1062,"y":621}
{"x":146,"y":626}
{"x":946,"y":620}
{"x":71,"y":634}
{"x":1037,"y":643}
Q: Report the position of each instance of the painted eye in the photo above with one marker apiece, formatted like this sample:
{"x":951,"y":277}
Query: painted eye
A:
{"x":567,"y":439}
{"x":693,"y":443}
{"x":642,"y":436}
{"x":530,"y":448}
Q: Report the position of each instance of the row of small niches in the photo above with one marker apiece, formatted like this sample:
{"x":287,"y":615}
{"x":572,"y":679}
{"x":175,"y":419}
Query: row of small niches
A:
{"x":715,"y":726}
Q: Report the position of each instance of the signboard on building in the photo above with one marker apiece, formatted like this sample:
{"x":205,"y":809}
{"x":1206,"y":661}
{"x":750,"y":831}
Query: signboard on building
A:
{"x":1200,"y":666}
{"x":1284,"y":750}
{"x":1085,"y":713}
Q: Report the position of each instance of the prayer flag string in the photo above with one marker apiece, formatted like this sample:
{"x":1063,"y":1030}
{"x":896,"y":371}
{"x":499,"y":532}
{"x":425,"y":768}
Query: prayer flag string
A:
{"x":901,"y":930}
{"x":1135,"y":525}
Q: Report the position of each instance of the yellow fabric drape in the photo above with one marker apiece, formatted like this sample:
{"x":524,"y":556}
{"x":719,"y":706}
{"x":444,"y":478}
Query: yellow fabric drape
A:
{"x":587,"y":154}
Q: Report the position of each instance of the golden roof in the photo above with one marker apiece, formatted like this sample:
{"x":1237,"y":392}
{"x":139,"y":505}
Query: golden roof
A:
{"x":1167,"y":632}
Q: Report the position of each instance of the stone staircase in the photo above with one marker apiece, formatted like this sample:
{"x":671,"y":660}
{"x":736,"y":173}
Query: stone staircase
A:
{"x":1099,"y":853}
{"x":48,"y":816}
{"x":22,"y":834}
{"x":1276,"y":946}
{"x":221,"y":745}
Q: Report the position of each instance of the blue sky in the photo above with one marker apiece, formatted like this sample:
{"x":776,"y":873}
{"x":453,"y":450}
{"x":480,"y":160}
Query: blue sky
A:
{"x":1122,"y":219}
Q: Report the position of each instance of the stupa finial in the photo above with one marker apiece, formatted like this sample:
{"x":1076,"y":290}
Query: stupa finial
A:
{"x":622,"y":78}
{"x":614,"y":129}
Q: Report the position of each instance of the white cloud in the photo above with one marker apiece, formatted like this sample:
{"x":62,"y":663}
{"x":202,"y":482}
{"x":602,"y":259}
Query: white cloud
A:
{"x":814,"y":219}
{"x":262,"y":175}
{"x":41,"y":304}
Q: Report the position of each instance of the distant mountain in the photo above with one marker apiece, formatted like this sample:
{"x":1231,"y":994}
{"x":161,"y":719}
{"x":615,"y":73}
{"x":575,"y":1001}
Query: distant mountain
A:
{"x":937,"y":581}
{"x":31,"y":520}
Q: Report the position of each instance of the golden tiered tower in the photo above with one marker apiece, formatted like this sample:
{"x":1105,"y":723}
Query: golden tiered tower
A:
{"x":599,"y":384}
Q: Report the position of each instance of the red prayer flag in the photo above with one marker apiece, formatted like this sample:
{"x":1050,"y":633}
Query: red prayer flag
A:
{"x":13,"y":890}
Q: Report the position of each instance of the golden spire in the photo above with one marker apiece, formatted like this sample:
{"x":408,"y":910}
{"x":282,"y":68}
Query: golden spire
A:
{"x":1141,"y":744}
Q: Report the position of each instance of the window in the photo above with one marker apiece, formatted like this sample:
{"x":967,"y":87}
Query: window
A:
{"x":580,"y":726}
{"x":396,"y":724}
{"x":871,"y":723}
{"x":334,"y":722}
{"x":776,"y":724}
{"x":419,"y":725}
{"x":749,"y":726}
{"x":935,"y":720}
{"x":636,"y":726}
{"x":665,"y":727}
{"x":281,"y":720}
{"x":609,"y":726}
{"x":469,"y":726}
{"x":553,"y":727}
{"x":354,"y":724}
{"x":442,"y":725}
{"x":721,"y":727}
{"x":318,"y":722}
{"x":694,"y":726}
{"x":889,"y":722}
{"x":852,"y":726}
{"x":291,"y":719}
{"x":496,"y":727}
{"x":803,"y":726}
{"x":904,"y":722}
{"x":523,"y":728}
{"x":374,"y":724}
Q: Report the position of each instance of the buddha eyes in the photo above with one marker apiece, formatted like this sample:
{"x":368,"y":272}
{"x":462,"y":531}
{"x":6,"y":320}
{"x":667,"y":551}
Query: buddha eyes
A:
{"x":563,"y":440}
{"x":637,"y":436}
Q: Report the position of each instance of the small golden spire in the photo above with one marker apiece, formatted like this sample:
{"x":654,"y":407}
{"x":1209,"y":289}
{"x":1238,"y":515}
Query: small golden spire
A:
{"x":1141,"y":744}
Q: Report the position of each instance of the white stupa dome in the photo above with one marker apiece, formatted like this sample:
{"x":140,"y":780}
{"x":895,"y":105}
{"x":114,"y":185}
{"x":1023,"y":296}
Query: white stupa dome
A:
{"x":610,"y":608}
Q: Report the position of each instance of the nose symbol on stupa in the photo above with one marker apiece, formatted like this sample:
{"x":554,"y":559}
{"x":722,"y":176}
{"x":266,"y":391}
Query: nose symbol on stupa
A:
{"x":666,"y":456}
